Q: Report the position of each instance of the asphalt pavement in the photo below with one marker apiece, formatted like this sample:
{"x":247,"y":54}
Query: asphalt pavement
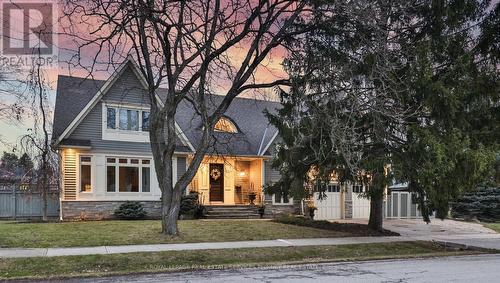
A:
{"x":478,"y":268}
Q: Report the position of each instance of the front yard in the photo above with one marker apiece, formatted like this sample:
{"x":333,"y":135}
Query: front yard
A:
{"x":97,"y":265}
{"x":493,"y":226}
{"x":100,"y":233}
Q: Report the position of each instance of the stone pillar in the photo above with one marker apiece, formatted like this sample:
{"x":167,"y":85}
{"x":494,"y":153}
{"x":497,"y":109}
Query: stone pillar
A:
{"x":348,"y":201}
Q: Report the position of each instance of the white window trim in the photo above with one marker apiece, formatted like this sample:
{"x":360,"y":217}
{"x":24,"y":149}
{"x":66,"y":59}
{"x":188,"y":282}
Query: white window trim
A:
{"x":363,"y":189}
{"x":123,"y":135}
{"x":79,"y":169}
{"x":334,"y":184}
{"x":290,"y":201}
{"x":231,"y":125}
{"x":128,"y":164}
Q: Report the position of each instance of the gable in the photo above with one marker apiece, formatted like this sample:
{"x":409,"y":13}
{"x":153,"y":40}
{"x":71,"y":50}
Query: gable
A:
{"x":72,"y":95}
{"x":127,"y":89}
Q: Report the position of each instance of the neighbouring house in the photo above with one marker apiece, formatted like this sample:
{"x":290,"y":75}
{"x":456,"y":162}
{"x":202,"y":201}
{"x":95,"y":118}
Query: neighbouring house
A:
{"x":101,"y":135}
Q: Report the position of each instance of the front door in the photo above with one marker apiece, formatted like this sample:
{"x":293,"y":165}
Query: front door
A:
{"x":216,"y":175}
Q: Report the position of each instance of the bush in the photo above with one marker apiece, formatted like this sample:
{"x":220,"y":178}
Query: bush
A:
{"x":482,"y":204}
{"x":190,"y":207}
{"x":131,"y":210}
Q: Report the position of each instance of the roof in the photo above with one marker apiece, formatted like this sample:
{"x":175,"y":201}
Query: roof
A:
{"x":246,"y":113}
{"x":73,"y":94}
{"x":255,"y":132}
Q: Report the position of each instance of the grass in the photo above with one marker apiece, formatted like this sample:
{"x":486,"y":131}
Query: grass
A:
{"x":493,"y":226}
{"x":351,"y":228}
{"x":99,"y":233}
{"x":98,"y":265}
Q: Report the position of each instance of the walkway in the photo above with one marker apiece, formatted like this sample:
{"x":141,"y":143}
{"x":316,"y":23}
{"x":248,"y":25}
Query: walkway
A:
{"x":50,"y":252}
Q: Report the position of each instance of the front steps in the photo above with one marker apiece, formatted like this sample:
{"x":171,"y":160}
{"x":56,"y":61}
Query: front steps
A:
{"x":232,"y":212}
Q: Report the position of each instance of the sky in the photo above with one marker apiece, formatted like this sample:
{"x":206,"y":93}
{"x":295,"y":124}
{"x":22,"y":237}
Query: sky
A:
{"x":11,"y":130}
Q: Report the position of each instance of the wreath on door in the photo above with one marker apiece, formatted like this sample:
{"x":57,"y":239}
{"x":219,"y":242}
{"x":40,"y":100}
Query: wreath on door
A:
{"x":215,"y":174}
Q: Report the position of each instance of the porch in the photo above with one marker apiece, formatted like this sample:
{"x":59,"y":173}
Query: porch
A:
{"x":229,"y":181}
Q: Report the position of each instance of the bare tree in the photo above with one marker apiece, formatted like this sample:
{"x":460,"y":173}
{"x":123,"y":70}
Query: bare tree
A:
{"x":12,"y":97}
{"x":190,"y":48}
{"x":37,"y":141}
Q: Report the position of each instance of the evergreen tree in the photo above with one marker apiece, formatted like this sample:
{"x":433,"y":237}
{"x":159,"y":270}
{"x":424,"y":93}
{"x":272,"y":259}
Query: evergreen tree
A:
{"x":10,"y":161}
{"x":413,"y":87}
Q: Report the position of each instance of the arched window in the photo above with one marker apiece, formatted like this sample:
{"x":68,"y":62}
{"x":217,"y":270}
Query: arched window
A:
{"x":225,"y":125}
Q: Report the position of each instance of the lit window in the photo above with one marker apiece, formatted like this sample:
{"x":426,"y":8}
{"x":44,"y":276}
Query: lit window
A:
{"x":111,"y":179}
{"x":225,"y":125}
{"x":85,"y":173}
{"x":129,"y":179}
{"x":128,"y":175}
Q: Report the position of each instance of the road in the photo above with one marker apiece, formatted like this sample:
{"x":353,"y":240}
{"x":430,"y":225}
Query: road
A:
{"x":482,"y":268}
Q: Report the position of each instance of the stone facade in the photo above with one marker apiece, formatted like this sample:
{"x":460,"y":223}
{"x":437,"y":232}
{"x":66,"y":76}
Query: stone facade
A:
{"x":348,"y":202}
{"x":102,"y":210}
{"x":99,"y":210}
{"x":275,"y":210}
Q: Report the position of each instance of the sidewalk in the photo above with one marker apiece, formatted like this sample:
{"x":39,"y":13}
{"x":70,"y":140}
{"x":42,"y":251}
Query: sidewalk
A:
{"x":479,"y":240}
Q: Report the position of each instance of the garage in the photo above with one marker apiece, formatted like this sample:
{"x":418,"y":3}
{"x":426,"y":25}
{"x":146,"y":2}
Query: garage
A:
{"x":360,"y":204}
{"x":400,"y":204}
{"x":330,"y":207}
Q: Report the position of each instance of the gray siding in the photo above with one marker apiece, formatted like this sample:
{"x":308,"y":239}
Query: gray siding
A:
{"x":271,"y":175}
{"x":91,"y":129}
{"x":125,"y":90}
{"x":181,"y":166}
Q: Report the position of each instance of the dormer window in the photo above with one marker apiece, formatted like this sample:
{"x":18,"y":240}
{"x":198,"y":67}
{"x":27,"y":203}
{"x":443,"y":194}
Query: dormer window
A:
{"x":225,"y":125}
{"x":127,"y":119}
{"x":122,"y":122}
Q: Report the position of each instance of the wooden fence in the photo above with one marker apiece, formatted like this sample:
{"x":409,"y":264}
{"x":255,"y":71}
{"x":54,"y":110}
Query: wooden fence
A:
{"x":25,"y":204}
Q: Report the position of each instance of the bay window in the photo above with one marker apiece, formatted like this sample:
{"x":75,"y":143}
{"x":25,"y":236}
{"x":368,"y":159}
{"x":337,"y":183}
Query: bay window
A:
{"x":128,"y":175}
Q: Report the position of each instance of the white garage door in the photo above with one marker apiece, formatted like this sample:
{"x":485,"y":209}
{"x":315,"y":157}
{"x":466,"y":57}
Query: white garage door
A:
{"x":360,"y":207}
{"x":400,"y":204}
{"x":328,"y":207}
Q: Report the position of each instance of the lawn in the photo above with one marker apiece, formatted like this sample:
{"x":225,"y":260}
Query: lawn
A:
{"x":97,"y":265}
{"x":99,"y":233}
{"x":493,"y":226}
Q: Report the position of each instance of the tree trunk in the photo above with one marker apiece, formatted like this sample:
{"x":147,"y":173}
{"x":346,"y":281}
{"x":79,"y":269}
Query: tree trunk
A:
{"x":377,"y":192}
{"x":163,"y":137}
{"x":376,"y":212}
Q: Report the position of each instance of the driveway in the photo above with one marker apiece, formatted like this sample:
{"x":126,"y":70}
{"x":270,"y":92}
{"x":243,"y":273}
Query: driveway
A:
{"x":449,"y":231}
{"x":436,"y":228}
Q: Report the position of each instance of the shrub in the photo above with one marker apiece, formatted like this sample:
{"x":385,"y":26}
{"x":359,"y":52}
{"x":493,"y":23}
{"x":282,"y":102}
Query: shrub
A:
{"x":131,"y":210}
{"x":190,"y":207}
{"x":482,"y":204}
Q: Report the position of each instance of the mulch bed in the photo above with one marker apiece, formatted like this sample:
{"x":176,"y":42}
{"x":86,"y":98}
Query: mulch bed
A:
{"x":355,"y":230}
